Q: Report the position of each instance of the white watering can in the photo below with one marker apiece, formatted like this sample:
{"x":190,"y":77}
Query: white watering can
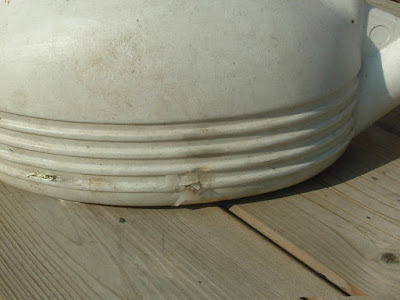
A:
{"x":166,"y":102}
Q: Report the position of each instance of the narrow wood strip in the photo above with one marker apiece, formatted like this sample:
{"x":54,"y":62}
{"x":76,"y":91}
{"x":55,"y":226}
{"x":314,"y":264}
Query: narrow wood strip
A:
{"x":247,"y":214}
{"x":344,"y":223}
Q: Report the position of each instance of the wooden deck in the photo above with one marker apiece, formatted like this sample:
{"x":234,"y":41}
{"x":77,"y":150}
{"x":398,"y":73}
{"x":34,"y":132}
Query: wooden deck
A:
{"x":345,"y":222}
{"x":336,"y":235}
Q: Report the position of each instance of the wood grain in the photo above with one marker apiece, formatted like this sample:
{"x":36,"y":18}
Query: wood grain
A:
{"x":386,"y":5}
{"x":380,"y":297}
{"x":51,"y":249}
{"x":344,"y":223}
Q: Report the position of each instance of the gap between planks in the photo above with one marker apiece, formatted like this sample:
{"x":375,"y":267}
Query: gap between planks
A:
{"x":345,"y":223}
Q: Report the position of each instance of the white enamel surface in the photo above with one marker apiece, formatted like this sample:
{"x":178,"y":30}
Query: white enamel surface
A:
{"x":175,"y":102}
{"x":379,"y":90}
{"x":156,"y":61}
{"x":175,"y":164}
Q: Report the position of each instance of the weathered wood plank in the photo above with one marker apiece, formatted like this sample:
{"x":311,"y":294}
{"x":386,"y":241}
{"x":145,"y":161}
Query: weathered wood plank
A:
{"x":320,"y":228}
{"x":345,"y":223}
{"x":380,"y":297}
{"x":373,"y":159}
{"x":386,"y":5}
{"x":50,"y":249}
{"x":377,"y":297}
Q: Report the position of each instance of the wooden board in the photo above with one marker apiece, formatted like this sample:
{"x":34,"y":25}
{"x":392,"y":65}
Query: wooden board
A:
{"x":380,"y":297}
{"x":345,"y":223}
{"x":386,"y":5}
{"x":51,"y":249}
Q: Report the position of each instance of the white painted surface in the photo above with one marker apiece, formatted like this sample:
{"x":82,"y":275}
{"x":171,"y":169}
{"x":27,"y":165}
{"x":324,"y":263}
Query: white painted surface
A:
{"x":379,"y":90}
{"x":156,"y":61}
{"x":177,"y":102}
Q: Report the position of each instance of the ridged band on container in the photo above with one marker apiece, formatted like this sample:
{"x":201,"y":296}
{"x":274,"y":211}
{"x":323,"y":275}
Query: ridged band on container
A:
{"x":181,"y":163}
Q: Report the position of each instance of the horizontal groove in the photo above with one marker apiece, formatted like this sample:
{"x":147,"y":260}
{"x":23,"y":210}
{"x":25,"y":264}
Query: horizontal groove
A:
{"x":183,"y":149}
{"x":293,"y":167}
{"x":286,"y":118}
{"x":194,"y":161}
{"x":174,"y":183}
{"x":118,"y":167}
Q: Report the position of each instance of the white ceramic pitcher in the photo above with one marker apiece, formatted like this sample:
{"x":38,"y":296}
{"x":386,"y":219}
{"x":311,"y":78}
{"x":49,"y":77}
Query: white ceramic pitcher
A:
{"x":170,"y":102}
